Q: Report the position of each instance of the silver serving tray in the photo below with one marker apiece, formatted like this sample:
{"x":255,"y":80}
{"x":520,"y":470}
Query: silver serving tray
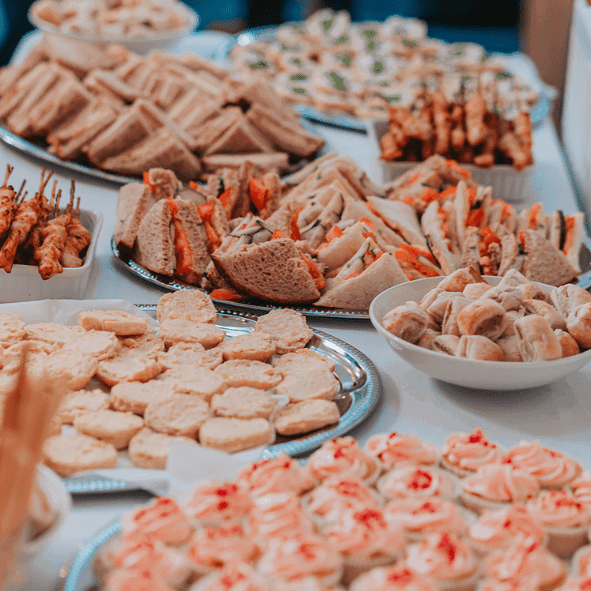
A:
{"x":360,"y":391}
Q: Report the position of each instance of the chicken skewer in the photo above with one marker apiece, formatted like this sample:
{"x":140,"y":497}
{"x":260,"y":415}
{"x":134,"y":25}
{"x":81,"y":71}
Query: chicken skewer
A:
{"x":78,"y":239}
{"x":7,"y":202}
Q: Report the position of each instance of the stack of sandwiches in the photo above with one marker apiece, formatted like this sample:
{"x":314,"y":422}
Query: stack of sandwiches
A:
{"x":328,"y":236}
{"x":124,"y":113}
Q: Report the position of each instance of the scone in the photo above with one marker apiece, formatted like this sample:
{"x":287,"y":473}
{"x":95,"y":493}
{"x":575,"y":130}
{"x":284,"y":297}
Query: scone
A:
{"x":232,"y":435}
{"x":12,"y":329}
{"x":51,"y":332}
{"x":135,"y":396}
{"x":289,"y":328}
{"x":316,"y":383}
{"x":198,"y":381}
{"x":302,"y":360}
{"x":149,"y":344}
{"x":245,"y":372}
{"x":306,"y":416}
{"x":130,"y":367}
{"x":70,"y":453}
{"x":178,"y":414}
{"x":187,"y":304}
{"x":110,"y":426}
{"x":149,"y":449}
{"x":74,"y":369}
{"x":255,"y":345}
{"x":181,"y":331}
{"x":117,"y":321}
{"x":75,"y":404}
{"x":95,"y":343}
{"x":243,"y":403}
{"x":193,"y":354}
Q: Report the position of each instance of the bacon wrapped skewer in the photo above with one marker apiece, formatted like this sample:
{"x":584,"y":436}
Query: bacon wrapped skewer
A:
{"x":77,"y":240}
{"x":475,"y":110}
{"x":441,"y":122}
{"x":7,"y":203}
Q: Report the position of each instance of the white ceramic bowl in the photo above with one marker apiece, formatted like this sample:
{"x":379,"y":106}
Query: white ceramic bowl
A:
{"x":137,"y":44}
{"x":24,"y":284}
{"x":484,"y":375}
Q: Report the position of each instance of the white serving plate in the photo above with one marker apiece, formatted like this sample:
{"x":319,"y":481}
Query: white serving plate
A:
{"x":483,"y":375}
{"x":24,"y":284}
{"x":506,"y":182}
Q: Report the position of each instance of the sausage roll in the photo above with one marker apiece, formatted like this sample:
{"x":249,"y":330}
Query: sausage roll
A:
{"x":568,"y":298}
{"x":510,"y":318}
{"x":407,"y":322}
{"x":450,"y":319}
{"x":430,"y":297}
{"x":473,"y":291}
{"x":426,"y":341}
{"x":510,"y":348}
{"x":537,"y":341}
{"x":549,"y":312}
{"x":531,"y":291}
{"x":578,"y":324}
{"x":483,"y":317}
{"x":508,"y":296}
{"x":437,"y":309}
{"x":447,"y":343}
{"x":568,"y":343}
{"x":458,"y":280}
{"x":479,"y":347}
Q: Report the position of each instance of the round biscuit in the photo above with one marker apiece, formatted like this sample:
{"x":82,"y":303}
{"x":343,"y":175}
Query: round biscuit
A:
{"x":246,"y":372}
{"x":233,"y":435}
{"x":255,"y":345}
{"x":135,"y":396}
{"x":243,"y":403}
{"x":302,"y":360}
{"x":128,"y":368}
{"x":182,"y":331}
{"x":117,"y":321}
{"x":52,"y":332}
{"x":198,"y":381}
{"x":148,"y":449}
{"x":318,"y":382}
{"x":187,"y":304}
{"x":178,"y":414}
{"x":289,"y":328}
{"x":192,"y":354}
{"x":306,"y":416}
{"x":110,"y":426}
{"x":75,"y":404}
{"x":12,"y":328}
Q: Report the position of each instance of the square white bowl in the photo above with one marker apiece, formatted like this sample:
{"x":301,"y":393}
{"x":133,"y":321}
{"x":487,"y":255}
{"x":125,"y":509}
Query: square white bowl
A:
{"x":24,"y":284}
{"x":506,"y":182}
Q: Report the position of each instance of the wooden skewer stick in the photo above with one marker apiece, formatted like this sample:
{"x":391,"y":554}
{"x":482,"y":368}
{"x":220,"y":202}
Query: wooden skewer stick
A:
{"x":70,"y":208}
{"x":53,"y":189}
{"x":56,"y":209}
{"x":9,"y":170}
{"x":23,"y":197}
{"x":17,"y":196}
{"x":77,"y":215}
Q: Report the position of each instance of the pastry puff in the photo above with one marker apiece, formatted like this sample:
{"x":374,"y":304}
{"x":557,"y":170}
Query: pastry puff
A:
{"x":508,"y":296}
{"x":458,"y":280}
{"x":438,"y":307}
{"x":483,"y":317}
{"x":514,"y":277}
{"x":568,"y":298}
{"x":408,"y":322}
{"x":480,"y":348}
{"x":537,"y":341}
{"x":549,"y":312}
{"x":578,"y":324}
{"x":450,"y":319}
{"x":447,"y":343}
{"x":531,"y":291}
{"x":426,"y":341}
{"x":569,"y":345}
{"x":473,"y":291}
{"x":510,"y":347}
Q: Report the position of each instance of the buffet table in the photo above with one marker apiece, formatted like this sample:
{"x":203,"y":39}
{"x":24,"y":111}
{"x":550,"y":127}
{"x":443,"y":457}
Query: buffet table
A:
{"x":412,"y":402}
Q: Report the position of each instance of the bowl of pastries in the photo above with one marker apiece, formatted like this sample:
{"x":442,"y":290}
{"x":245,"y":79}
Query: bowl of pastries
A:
{"x":490,"y":333}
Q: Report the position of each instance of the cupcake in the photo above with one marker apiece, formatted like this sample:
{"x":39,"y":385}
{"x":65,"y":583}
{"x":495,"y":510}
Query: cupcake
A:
{"x":281,"y":474}
{"x":576,"y":584}
{"x":215,"y":504}
{"x":496,"y":530}
{"x":581,"y":487}
{"x":447,"y":559}
{"x":565,"y":520}
{"x":526,"y":557}
{"x":305,"y":584}
{"x":551,"y":468}
{"x":529,"y":583}
{"x":126,"y":579}
{"x":464,"y":453}
{"x":413,"y":482}
{"x":393,"y":449}
{"x":393,"y":578}
{"x":366,"y":540}
{"x":581,"y":561}
{"x":341,"y":457}
{"x":421,"y":517}
{"x":236,"y":576}
{"x":497,"y":485}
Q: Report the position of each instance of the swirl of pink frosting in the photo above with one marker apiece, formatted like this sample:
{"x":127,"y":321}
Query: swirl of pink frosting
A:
{"x":298,"y":557}
{"x":337,"y":494}
{"x":557,"y":508}
{"x":529,"y":583}
{"x":339,"y":457}
{"x":236,"y":576}
{"x":124,"y":580}
{"x":576,"y":584}
{"x":422,"y":516}
{"x":213,"y":547}
{"x":581,"y":487}
{"x":498,"y":529}
{"x":582,"y":561}
{"x":412,"y":481}
{"x":394,"y":448}
{"x":305,"y":584}
{"x":392,"y":578}
{"x":365,"y":534}
{"x":549,"y":467}
{"x":443,"y":556}
{"x":214,"y":504}
{"x":281,"y":474}
{"x":469,"y":451}
{"x":501,"y":483}
{"x":162,"y":520}
{"x":278,"y":514}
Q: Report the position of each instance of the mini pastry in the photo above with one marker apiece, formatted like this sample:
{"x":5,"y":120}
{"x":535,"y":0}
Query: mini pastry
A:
{"x":581,"y":561}
{"x":116,"y":428}
{"x":474,"y":291}
{"x":510,"y":318}
{"x":507,"y":296}
{"x":510,"y":347}
{"x":393,"y":578}
{"x":288,"y":327}
{"x":569,"y":297}
{"x":437,"y":308}
{"x":177,"y":414}
{"x":514,"y":277}
{"x":426,"y":341}
{"x":233,"y":577}
{"x":447,"y":344}
{"x":117,"y":321}
{"x":306,"y":416}
{"x":549,"y":312}
{"x":464,"y":453}
{"x":408,"y":481}
{"x":581,"y":487}
{"x":407,"y":322}
{"x":578,"y":324}
{"x":246,"y":372}
{"x":148,"y":449}
{"x":484,"y":317}
{"x":395,"y":448}
{"x":75,"y":404}
{"x":458,"y":280}
{"x":232,"y":435}
{"x":134,"y":579}
{"x":177,"y":330}
{"x":187,"y":304}
{"x":480,"y":348}
{"x":255,"y":345}
{"x":537,"y":341}
{"x":449,"y":326}
{"x":567,"y":342}
{"x":531,"y":291}
{"x":243,"y":403}
{"x":213,"y":504}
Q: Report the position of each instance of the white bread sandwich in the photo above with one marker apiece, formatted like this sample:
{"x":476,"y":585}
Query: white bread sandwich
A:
{"x":154,"y":247}
{"x":566,"y":234}
{"x":400,"y":217}
{"x":133,"y":203}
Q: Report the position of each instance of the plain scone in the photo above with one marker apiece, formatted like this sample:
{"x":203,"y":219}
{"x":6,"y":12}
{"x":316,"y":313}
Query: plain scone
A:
{"x":131,"y":367}
{"x":75,"y":404}
{"x":289,"y":328}
{"x":176,"y":330}
{"x":246,"y":372}
{"x":110,"y":426}
{"x":149,"y":450}
{"x":306,"y":416}
{"x":186,"y":304}
{"x":117,"y":321}
{"x":255,"y":345}
{"x":243,"y":403}
{"x":233,"y":435}
{"x":135,"y":396}
{"x":178,"y":414}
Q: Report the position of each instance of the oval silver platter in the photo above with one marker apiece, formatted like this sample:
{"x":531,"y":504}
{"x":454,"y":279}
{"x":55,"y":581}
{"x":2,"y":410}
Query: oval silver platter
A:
{"x":360,"y":391}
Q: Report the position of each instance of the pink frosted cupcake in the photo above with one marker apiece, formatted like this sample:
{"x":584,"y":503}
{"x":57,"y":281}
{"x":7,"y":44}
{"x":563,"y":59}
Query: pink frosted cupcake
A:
{"x":306,"y":584}
{"x":576,"y":584}
{"x":162,"y":520}
{"x":341,"y":457}
{"x":565,"y":520}
{"x":497,"y":530}
{"x":445,"y":558}
{"x":419,"y":517}
{"x":581,"y":487}
{"x":393,"y":449}
{"x":281,"y":474}
{"x":124,"y":580}
{"x":414,"y":482}
{"x":298,"y":557}
{"x":526,"y":557}
{"x":366,"y":540}
{"x":464,"y":453}
{"x":215,"y":504}
{"x":495,"y":486}
{"x":529,"y":583}
{"x":581,"y":562}
{"x":237,"y":576}
{"x":551,"y":468}
{"x":393,"y":578}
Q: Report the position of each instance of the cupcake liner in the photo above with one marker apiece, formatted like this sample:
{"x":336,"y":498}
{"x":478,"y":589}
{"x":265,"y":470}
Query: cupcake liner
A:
{"x":480,"y":505}
{"x":575,"y":565}
{"x":465,"y":584}
{"x":565,"y":541}
{"x":355,"y":566}
{"x":451,"y":495}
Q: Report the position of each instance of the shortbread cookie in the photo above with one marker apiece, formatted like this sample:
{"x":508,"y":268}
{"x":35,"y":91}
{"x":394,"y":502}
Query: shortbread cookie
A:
{"x":187,"y":304}
{"x":255,"y":345}
{"x":131,"y":367}
{"x":178,"y":414}
{"x":117,"y":321}
{"x":244,"y":372}
{"x":69,"y":453}
{"x":12,"y":329}
{"x":199,"y":381}
{"x":149,"y":449}
{"x":315,"y":383}
{"x":94,"y":343}
{"x":181,"y":331}
{"x":149,"y":344}
{"x":232,"y":435}
{"x":135,"y":396}
{"x":192,"y":354}
{"x":306,"y":416}
{"x":116,"y":428}
{"x":51,"y":332}
{"x":289,"y":328}
{"x":243,"y":403}
{"x":302,"y":360}
{"x":72,"y":368}
{"x":75,"y":404}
